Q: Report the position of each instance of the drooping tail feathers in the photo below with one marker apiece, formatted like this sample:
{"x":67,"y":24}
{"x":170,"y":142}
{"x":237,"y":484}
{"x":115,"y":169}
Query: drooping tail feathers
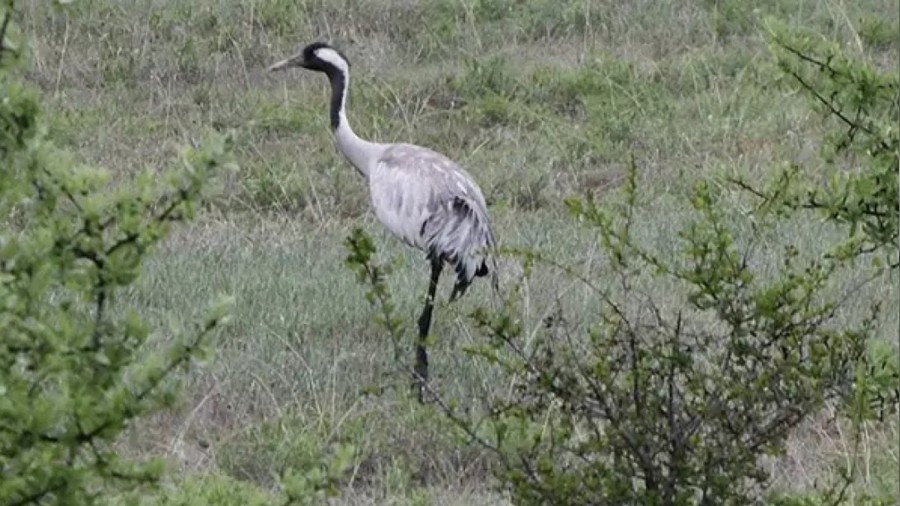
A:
{"x":484,"y":271}
{"x":461,"y":235}
{"x":465,"y":274}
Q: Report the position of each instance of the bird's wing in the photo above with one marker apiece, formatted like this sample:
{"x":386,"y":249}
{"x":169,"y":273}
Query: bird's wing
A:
{"x":430,"y":202}
{"x":401,"y":198}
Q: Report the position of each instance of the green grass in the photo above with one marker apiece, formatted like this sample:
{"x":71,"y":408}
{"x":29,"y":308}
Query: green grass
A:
{"x":539,"y":99}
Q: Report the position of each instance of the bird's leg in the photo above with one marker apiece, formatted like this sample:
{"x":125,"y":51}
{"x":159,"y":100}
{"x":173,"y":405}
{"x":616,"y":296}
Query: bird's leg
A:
{"x":421,"y":368}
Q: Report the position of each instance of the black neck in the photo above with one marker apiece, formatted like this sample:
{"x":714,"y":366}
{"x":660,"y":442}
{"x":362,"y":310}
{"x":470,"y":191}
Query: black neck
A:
{"x":338,"y":90}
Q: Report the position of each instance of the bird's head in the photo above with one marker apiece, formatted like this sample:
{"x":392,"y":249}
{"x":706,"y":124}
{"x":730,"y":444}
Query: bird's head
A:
{"x":317,"y":56}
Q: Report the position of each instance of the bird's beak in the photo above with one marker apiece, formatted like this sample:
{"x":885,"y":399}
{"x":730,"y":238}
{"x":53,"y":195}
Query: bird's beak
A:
{"x":294,"y":61}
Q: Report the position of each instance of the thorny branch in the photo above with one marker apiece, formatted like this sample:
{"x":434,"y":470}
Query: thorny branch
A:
{"x":834,"y":109}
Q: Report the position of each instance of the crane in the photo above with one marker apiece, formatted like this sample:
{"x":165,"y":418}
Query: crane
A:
{"x":421,"y":196}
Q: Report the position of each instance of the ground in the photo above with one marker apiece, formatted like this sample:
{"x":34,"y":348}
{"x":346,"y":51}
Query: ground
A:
{"x":539,"y":100}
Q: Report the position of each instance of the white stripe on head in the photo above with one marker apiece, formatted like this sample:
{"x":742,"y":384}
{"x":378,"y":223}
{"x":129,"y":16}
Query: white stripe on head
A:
{"x":333,"y":57}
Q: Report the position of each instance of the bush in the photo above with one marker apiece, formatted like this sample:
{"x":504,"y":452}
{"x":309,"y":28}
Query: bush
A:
{"x":71,"y":378}
{"x":673,"y":402}
{"x":668,"y":402}
{"x":75,"y":372}
{"x":678,"y":402}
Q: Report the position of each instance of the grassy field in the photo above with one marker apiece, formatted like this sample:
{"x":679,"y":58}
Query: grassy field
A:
{"x":540,"y":100}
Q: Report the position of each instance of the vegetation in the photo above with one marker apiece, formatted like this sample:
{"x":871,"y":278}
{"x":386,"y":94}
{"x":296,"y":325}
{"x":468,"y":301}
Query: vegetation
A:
{"x":656,"y":174}
{"x":76,"y":372}
{"x":73,"y":373}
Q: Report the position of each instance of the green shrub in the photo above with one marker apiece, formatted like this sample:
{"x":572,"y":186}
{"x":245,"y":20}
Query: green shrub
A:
{"x":75,"y":369}
{"x":668,"y":401}
{"x":663,"y":401}
{"x":74,"y":374}
{"x":679,"y":400}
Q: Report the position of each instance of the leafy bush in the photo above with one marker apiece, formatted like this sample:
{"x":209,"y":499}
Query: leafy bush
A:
{"x":668,"y":402}
{"x":75,"y":372}
{"x":679,"y":401}
{"x":72,"y":378}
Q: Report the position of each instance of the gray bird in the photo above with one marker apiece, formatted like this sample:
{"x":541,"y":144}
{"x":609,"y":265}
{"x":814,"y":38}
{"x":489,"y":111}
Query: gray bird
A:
{"x":419,"y":195}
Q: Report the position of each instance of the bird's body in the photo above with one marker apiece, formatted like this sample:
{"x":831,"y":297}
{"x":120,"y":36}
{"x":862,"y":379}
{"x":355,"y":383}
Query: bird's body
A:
{"x":432,"y":204}
{"x":420,"y":196}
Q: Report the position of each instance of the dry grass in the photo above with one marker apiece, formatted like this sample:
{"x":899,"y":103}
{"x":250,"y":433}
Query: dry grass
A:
{"x":540,"y":99}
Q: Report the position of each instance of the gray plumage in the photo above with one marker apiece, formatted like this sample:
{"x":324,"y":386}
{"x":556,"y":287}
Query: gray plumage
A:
{"x":432,"y":204}
{"x":419,"y":195}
